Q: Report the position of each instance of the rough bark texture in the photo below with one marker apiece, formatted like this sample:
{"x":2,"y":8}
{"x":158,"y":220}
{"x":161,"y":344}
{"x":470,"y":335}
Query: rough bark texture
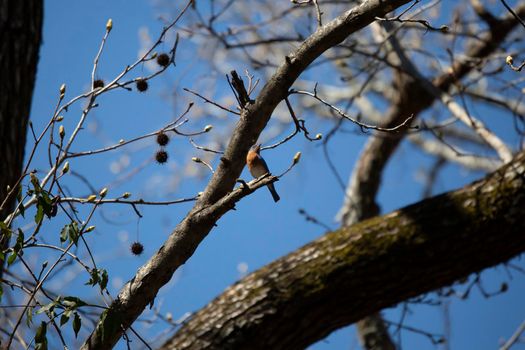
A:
{"x":20,"y":37}
{"x":355,"y":271}
{"x":138,"y":293}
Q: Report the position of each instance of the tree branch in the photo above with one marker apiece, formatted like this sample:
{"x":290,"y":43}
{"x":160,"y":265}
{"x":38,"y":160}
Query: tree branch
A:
{"x":180,"y":245}
{"x":355,"y":271}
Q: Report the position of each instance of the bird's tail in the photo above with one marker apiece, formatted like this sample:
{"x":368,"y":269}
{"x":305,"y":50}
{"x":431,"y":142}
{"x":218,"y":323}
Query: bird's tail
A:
{"x":275,"y":196}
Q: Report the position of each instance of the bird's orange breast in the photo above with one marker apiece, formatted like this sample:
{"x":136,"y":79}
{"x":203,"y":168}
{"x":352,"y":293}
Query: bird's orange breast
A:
{"x":251,"y":159}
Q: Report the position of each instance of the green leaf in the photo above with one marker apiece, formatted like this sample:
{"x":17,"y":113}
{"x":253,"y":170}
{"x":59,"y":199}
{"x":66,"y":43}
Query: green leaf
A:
{"x":1,"y":292}
{"x":19,"y":194}
{"x":17,"y":248}
{"x":64,"y":318}
{"x":71,"y":232}
{"x":103,"y":279}
{"x":77,"y":324}
{"x":100,"y":277}
{"x":47,"y":203}
{"x":44,"y":205}
{"x":93,"y":278}
{"x":22,"y":210}
{"x":20,"y":239}
{"x":29,"y":316}
{"x":35,"y":182}
{"x":5,"y":231}
{"x":39,"y":213}
{"x":73,"y":302}
{"x":40,"y":337}
{"x":11,"y":258}
{"x":64,"y":233}
{"x":46,"y":308}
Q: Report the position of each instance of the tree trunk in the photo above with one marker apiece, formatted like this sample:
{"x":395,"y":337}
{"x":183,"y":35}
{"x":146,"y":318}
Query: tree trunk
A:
{"x":355,"y":271}
{"x":20,"y":37}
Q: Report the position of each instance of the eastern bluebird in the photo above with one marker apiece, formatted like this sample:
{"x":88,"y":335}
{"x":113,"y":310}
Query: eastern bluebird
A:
{"x":258,"y":167}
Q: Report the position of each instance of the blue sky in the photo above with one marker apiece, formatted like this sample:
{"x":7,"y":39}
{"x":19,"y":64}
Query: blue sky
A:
{"x":260,"y":230}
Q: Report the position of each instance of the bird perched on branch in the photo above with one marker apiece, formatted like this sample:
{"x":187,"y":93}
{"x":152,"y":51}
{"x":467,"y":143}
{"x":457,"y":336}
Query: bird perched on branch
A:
{"x":258,"y":167}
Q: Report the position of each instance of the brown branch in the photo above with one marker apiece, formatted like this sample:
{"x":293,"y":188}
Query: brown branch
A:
{"x":184,"y":240}
{"x":416,"y":94}
{"x":341,"y":277}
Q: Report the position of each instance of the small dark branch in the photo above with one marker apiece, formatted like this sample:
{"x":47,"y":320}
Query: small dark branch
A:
{"x":136,"y":210}
{"x":286,"y":139}
{"x":317,"y":9}
{"x":261,"y":42}
{"x":140,"y":338}
{"x":300,"y":123}
{"x":423,"y":22}
{"x":518,"y":18}
{"x":240,"y":90}
{"x":32,"y":131}
{"x":211,"y":102}
{"x":172,"y":126}
{"x":125,"y":201}
{"x":502,"y":289}
{"x":327,"y":156}
{"x":363,"y":126}
{"x":433,"y":337}
{"x":313,"y":220}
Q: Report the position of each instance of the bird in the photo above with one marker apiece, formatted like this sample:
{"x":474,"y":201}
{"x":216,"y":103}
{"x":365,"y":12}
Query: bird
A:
{"x":258,"y":167}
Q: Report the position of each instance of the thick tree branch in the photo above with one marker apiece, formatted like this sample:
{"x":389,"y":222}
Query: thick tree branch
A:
{"x":142,"y":289}
{"x":417,"y":94}
{"x":355,"y":271}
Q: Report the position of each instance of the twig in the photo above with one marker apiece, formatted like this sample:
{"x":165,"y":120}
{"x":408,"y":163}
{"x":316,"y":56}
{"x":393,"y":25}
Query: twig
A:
{"x":396,"y":128}
{"x":514,"y":338}
{"x":495,"y":142}
{"x":513,"y":13}
{"x":170,"y":127}
{"x":211,"y":102}
{"x":202,"y":148}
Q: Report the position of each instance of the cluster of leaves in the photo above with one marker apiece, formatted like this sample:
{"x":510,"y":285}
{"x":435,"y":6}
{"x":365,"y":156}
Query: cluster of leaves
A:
{"x":68,"y":307}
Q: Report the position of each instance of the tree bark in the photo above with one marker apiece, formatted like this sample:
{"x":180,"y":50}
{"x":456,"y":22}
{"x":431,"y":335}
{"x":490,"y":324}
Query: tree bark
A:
{"x":416,"y":94}
{"x":138,"y":293}
{"x":355,"y":271}
{"x":20,"y":37}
